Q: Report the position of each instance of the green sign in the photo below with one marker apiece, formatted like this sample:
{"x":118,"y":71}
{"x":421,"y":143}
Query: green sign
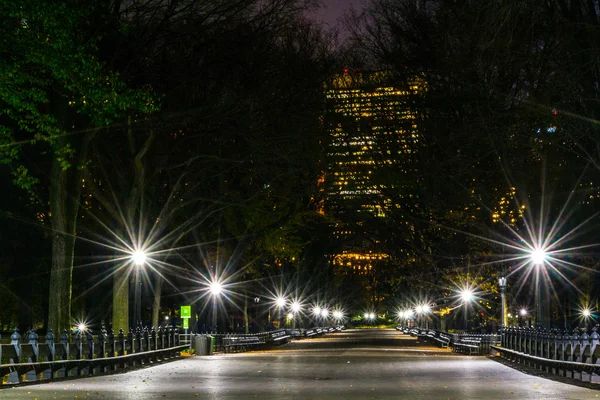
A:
{"x":186,"y":311}
{"x":186,"y":323}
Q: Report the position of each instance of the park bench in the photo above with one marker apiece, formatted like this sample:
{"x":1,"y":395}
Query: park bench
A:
{"x":242,"y":343}
{"x":468,"y":345}
{"x":294,"y":333}
{"x":310,"y":333}
{"x":280,"y":337}
{"x":442,"y":340}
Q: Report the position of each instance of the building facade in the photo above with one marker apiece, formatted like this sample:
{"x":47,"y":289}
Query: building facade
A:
{"x":372,"y":151}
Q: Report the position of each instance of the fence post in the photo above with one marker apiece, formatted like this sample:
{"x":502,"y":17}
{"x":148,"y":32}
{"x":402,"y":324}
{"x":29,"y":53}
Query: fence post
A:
{"x":33,"y":340}
{"x":121,"y":342}
{"x":101,"y":351}
{"x":160,"y":344}
{"x":89,"y":341}
{"x":110,"y":351}
{"x":152,"y":345}
{"x":138,"y":340}
{"x":145,"y":341}
{"x":50,"y":343}
{"x":78,"y":345}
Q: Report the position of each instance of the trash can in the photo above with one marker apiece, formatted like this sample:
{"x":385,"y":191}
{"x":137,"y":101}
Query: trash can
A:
{"x":200,"y":345}
{"x":210,"y":345}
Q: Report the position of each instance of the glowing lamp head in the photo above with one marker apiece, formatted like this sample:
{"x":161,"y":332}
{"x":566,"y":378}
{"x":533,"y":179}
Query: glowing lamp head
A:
{"x":419,"y":309}
{"x":372,"y":316}
{"x":337,"y":314}
{"x":538,"y":256}
{"x":366,"y":315}
{"x":317,"y":310}
{"x":523,"y":312}
{"x":466,"y":295}
{"x":81,"y":327}
{"x":290,"y":316}
{"x":296,"y":307}
{"x":216,"y":288}
{"x":324,"y":313}
{"x":426,"y":308}
{"x":586,"y":313}
{"x":280,"y":301}
{"x":138,"y":257}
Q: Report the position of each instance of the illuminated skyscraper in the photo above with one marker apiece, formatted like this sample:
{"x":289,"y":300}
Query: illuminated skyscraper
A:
{"x":373,"y":143}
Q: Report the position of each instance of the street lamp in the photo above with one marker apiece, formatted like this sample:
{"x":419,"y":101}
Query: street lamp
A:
{"x":296,"y":307}
{"x":138,"y":258}
{"x":280,"y":303}
{"x":523,"y":314}
{"x":502,"y":286}
{"x":215,"y":288}
{"x":338,"y":315}
{"x":466,"y":296}
{"x":538,"y":257}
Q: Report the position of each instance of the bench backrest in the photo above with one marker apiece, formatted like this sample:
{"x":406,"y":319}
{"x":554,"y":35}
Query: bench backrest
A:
{"x":44,"y":352}
{"x":28,"y":353}
{"x":60,"y":351}
{"x":8,"y":354}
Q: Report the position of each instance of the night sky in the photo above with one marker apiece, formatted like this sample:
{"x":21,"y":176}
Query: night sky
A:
{"x":332,"y":10}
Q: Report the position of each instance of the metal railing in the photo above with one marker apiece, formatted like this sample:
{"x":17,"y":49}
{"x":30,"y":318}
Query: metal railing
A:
{"x":26,"y":359}
{"x":573,"y":355}
{"x":471,"y":343}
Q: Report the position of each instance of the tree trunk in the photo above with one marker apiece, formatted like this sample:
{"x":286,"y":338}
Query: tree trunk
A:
{"x":120,"y":314}
{"x":156,"y":303}
{"x":63,"y":248}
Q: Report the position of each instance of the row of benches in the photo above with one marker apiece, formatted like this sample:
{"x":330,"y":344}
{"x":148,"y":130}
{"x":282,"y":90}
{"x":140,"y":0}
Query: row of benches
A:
{"x":256,"y":342}
{"x":467,"y":344}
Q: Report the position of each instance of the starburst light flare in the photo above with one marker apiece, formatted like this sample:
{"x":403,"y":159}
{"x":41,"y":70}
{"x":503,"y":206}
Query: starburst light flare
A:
{"x":216,"y":288}
{"x":466,"y":295}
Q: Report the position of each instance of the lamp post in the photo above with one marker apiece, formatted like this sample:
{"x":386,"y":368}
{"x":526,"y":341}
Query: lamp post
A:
{"x":215,"y":290}
{"x":538,"y":259}
{"x":523,"y":314}
{"x":502,"y":286}
{"x":139,"y":259}
{"x":467,"y":296}
{"x":296,"y":307}
{"x":280,"y":303}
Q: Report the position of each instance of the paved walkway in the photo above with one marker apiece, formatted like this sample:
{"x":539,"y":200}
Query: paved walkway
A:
{"x":349,"y":365}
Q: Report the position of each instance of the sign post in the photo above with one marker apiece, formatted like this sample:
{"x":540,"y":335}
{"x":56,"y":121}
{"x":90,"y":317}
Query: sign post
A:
{"x":186,"y":313}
